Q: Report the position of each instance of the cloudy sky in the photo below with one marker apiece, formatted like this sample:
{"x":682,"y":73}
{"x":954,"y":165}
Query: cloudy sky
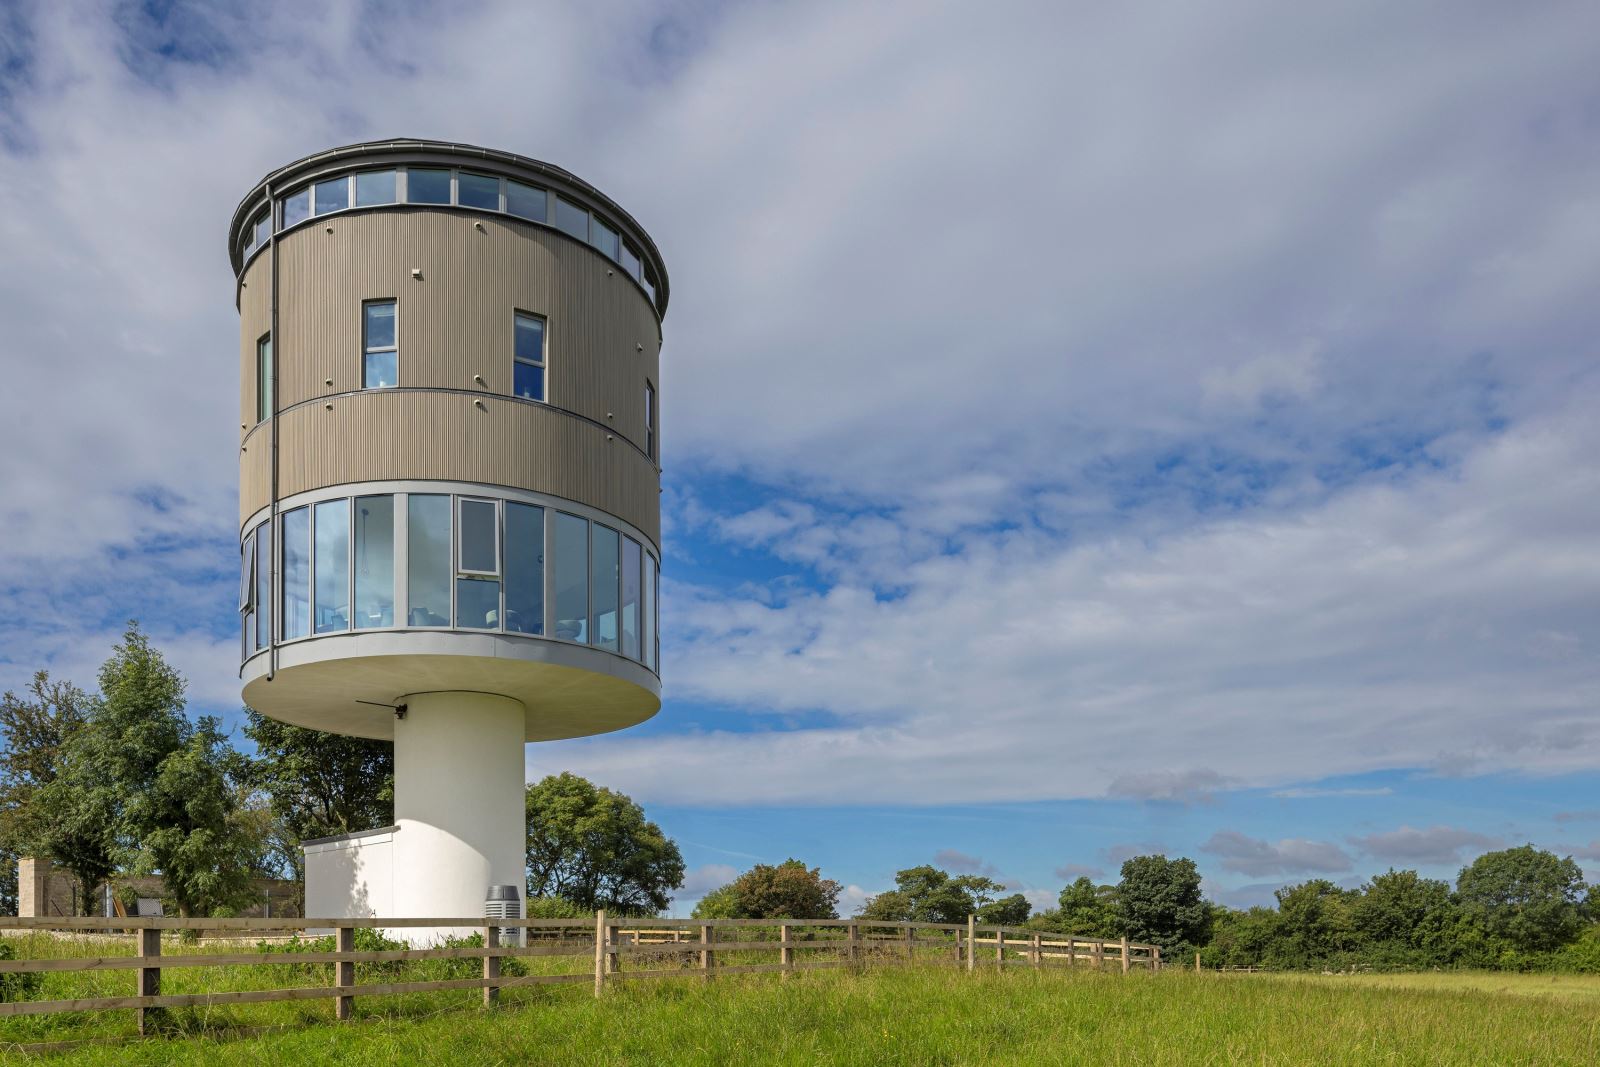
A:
{"x":1088,"y":430}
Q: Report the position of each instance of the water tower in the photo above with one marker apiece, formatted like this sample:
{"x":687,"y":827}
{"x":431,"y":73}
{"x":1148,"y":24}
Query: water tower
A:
{"x":449,"y":489}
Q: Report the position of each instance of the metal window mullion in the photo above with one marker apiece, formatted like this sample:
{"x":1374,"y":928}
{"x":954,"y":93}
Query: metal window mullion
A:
{"x":350,"y":564}
{"x":402,"y":559}
{"x":311,"y":570}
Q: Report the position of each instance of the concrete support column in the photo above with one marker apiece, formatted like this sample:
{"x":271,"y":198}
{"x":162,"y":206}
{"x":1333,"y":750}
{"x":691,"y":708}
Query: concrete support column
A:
{"x":458,"y":805}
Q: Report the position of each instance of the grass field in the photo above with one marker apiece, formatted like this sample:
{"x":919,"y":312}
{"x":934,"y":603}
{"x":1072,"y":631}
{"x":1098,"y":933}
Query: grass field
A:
{"x":935,"y":1015}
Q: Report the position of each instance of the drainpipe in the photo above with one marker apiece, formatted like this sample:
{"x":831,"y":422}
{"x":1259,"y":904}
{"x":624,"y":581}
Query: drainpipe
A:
{"x":272,"y":513}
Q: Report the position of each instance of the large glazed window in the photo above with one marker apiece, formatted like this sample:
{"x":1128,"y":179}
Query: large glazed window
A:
{"x":264,"y":378}
{"x":428,"y":566}
{"x":263,"y":585}
{"x":526,"y":200}
{"x":647,"y":615}
{"x":655,"y":657}
{"x":528,"y":357}
{"x":478,"y":190}
{"x":247,"y":597}
{"x":374,"y":576}
{"x":375,"y":187}
{"x":427,"y":186}
{"x":332,"y":606}
{"x":572,"y":219}
{"x":630,"y":598}
{"x":296,"y":573}
{"x":478,"y":565}
{"x":297,"y":208}
{"x":603,"y":583}
{"x":524,"y":567}
{"x":333,"y":195}
{"x":380,"y":368}
{"x":603,"y":237}
{"x":571,"y":577}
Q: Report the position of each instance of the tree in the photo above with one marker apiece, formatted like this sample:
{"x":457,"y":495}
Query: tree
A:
{"x":789,"y":890}
{"x":594,"y":847}
{"x":318,"y":784}
{"x":1088,"y":910}
{"x":1401,"y":910}
{"x":1007,"y":911}
{"x":927,"y":894}
{"x":1315,"y":920}
{"x":1158,"y":902}
{"x":1524,"y":897}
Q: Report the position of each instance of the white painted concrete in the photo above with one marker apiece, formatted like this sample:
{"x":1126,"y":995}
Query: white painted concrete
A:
{"x":351,"y":876}
{"x":458,"y":806}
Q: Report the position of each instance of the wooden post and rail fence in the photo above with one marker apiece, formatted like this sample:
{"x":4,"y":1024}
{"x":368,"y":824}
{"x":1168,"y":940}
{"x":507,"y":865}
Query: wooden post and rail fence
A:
{"x":621,"y":949}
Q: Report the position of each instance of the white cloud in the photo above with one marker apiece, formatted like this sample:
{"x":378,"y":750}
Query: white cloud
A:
{"x":698,"y":881}
{"x":1308,"y":793}
{"x":1432,"y":845}
{"x":1258,"y":858}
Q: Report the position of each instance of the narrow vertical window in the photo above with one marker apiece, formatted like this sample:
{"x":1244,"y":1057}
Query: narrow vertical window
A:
{"x":528,"y":357}
{"x":649,"y":420}
{"x":603,"y":581}
{"x":296,"y":573}
{"x":630,"y":598}
{"x":428,"y":567}
{"x":571,"y":577}
{"x":524,"y":577}
{"x":478,"y":565}
{"x":374,"y":563}
{"x":332,"y":606}
{"x":264,"y":378}
{"x":263,"y":585}
{"x":380,"y":368}
{"x":247,"y":596}
{"x":647,"y":614}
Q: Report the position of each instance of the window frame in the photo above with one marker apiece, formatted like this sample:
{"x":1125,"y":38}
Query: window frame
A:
{"x":543,"y":362}
{"x":461,"y":570}
{"x":368,"y":350}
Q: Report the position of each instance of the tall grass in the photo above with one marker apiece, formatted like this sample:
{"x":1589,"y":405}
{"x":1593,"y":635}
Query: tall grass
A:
{"x":939,"y":1015}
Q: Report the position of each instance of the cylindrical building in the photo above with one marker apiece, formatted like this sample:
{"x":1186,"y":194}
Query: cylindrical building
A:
{"x":449,"y":481}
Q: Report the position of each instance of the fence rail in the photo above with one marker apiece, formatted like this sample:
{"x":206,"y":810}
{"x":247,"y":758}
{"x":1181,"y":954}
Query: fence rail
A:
{"x":695,"y":948}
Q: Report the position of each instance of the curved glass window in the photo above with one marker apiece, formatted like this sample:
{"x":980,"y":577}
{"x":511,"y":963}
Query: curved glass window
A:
{"x":571,"y":582}
{"x":630,"y":260}
{"x":603,"y":582}
{"x":647,"y":613}
{"x":655,"y":655}
{"x":427,"y":186}
{"x":603,"y":237}
{"x":263,"y":585}
{"x":525,"y":200}
{"x":296,"y":573}
{"x":297,"y":207}
{"x":428,"y":564}
{"x":331,"y":195}
{"x":375,"y":187}
{"x":332,"y":606}
{"x":524,"y":567}
{"x":572,"y":219}
{"x":630,"y":598}
{"x":374,"y":549}
{"x":478,"y":190}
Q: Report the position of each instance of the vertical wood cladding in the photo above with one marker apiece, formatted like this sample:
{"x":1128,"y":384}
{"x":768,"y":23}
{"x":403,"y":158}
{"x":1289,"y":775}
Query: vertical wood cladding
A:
{"x":398,"y":434}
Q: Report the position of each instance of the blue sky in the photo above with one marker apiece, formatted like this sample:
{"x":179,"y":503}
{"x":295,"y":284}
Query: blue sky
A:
{"x":1086,"y":431}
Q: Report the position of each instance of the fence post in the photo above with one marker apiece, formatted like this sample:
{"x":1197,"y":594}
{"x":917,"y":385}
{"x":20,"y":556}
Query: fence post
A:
{"x":344,"y":972}
{"x":911,"y":942}
{"x":855,"y":943}
{"x":785,"y":950}
{"x":972,"y":929}
{"x":599,"y":952}
{"x":1155,"y":958}
{"x":1038,"y":958}
{"x":708,"y":957}
{"x":1124,"y":955}
{"x":491,"y":966}
{"x":1099,"y":955}
{"x":999,"y":946}
{"x":149,"y":976}
{"x":1072,"y":951}
{"x":1197,"y":963}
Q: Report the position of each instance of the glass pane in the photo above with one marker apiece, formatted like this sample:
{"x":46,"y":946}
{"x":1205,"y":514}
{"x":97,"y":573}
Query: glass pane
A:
{"x":247,"y":585}
{"x":630,"y":260}
{"x":333,"y":195}
{"x":296,"y":573}
{"x":381,"y":325}
{"x":478,"y":190}
{"x":374,"y":562}
{"x":603,"y":588}
{"x":478,"y":537}
{"x":333,"y":566}
{"x":524,"y":569}
{"x":263,"y":379}
{"x":630,"y":598}
{"x":428,"y":570}
{"x":571,"y":577}
{"x":529,"y":381}
{"x":374,"y":187}
{"x":263,"y":227}
{"x":656,"y":662}
{"x":649,"y":280}
{"x":477,"y":603}
{"x":297,"y":208}
{"x":530,"y":338}
{"x":382,"y":370}
{"x":647,"y":616}
{"x":572,"y":219}
{"x":263,"y":584}
{"x":525,"y":200}
{"x":603,"y":237}
{"x":427,"y":186}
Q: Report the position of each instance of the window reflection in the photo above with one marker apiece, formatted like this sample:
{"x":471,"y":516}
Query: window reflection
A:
{"x":603,"y":588}
{"x":572,"y":219}
{"x":332,"y":196}
{"x":374,"y":562}
{"x":425,"y":186}
{"x":332,"y":605}
{"x":630,"y":598}
{"x":297,"y":207}
{"x":428,"y":569}
{"x":263,"y":585}
{"x":571,"y":577}
{"x":525,"y":200}
{"x":478,"y":190}
{"x":524,"y":569}
{"x":375,"y":187}
{"x":296,"y":573}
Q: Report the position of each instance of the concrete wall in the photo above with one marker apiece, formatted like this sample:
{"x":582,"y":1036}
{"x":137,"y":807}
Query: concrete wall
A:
{"x":351,"y":876}
{"x":45,"y":890}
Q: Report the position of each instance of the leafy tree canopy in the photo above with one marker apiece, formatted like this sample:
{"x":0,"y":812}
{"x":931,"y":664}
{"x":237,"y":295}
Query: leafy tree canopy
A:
{"x":1524,"y":897}
{"x":927,"y":894}
{"x":788,"y":890}
{"x":595,"y":847}
{"x":1158,"y":902}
